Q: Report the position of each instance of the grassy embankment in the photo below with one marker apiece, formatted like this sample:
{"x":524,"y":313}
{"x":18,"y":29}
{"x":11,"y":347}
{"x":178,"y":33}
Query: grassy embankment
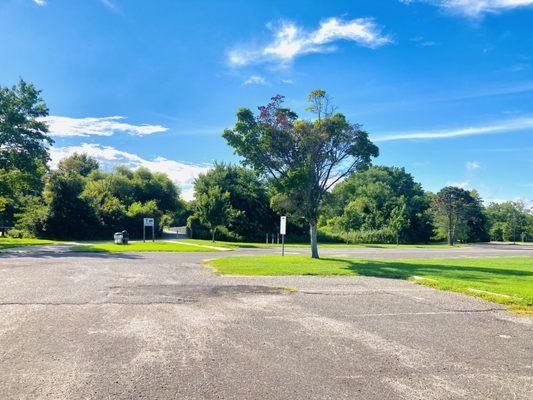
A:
{"x":506,"y":281}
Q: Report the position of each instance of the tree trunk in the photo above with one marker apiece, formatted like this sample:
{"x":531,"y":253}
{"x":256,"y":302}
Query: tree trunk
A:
{"x":313,"y":237}
{"x":450,"y":231}
{"x":213,"y":235}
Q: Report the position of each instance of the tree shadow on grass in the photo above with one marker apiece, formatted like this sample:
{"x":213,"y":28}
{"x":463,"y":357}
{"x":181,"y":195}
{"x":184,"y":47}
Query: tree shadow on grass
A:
{"x":406,"y":270}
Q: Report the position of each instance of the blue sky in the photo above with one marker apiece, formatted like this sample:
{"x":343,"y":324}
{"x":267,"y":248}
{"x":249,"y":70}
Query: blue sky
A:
{"x":445,"y":87}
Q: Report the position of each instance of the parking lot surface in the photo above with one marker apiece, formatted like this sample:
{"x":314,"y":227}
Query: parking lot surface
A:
{"x":163,"y":326}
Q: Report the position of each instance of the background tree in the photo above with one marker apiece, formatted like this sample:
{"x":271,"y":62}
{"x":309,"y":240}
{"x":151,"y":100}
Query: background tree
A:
{"x":458,"y":212}
{"x":398,"y":221}
{"x":23,"y":147}
{"x":373,"y":196}
{"x":80,"y":163}
{"x":213,"y":208}
{"x":304,"y":159}
{"x":69,"y":214}
{"x":509,"y":220}
{"x":248,"y":196}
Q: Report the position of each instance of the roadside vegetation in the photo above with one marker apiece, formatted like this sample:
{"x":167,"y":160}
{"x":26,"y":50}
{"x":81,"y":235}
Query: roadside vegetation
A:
{"x":264,"y":245}
{"x":506,"y":281}
{"x":315,"y":171}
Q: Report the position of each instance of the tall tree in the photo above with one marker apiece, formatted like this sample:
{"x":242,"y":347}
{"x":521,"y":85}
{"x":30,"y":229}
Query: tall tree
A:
{"x":459,"y":212}
{"x":24,"y":145}
{"x":303,"y":158}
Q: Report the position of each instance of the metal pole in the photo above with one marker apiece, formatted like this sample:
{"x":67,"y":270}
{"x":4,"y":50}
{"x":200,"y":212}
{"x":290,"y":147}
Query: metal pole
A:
{"x":153,"y":233}
{"x":282,"y":245}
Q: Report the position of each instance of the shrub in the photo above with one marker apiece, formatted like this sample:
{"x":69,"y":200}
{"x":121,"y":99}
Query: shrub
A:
{"x":15,"y":233}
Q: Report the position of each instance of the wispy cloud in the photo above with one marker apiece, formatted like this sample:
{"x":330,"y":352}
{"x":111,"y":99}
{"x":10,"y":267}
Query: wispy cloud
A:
{"x":513,"y":125}
{"x":105,"y":126}
{"x":472,"y":165}
{"x":183,"y":174}
{"x":291,"y":41}
{"x":40,"y":2}
{"x":462,"y":184}
{"x":475,"y":8}
{"x":255,"y":80}
{"x":422,"y":42}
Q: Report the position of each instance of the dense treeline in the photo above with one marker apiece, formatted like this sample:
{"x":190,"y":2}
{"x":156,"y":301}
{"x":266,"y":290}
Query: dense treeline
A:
{"x":80,"y":201}
{"x":372,"y":204}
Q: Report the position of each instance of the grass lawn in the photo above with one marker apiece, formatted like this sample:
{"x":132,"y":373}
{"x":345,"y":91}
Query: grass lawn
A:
{"x":139,"y":246}
{"x":233,"y":245}
{"x":502,"y":280}
{"x":6,"y":243}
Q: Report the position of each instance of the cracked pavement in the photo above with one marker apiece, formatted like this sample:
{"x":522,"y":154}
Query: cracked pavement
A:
{"x":161,"y":326}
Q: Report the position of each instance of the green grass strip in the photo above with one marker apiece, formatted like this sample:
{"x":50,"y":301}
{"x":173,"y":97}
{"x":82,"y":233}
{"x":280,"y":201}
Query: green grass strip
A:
{"x":506,"y":280}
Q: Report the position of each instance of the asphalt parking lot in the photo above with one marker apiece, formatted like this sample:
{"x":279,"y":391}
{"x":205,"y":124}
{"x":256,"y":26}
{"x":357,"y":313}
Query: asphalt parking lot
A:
{"x":162,"y":326}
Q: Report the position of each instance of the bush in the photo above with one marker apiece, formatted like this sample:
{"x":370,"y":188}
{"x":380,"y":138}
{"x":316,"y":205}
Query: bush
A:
{"x":376,"y":236}
{"x":15,"y":234}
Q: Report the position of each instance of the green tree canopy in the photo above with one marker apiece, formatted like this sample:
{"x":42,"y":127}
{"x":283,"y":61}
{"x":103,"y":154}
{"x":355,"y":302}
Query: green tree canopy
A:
{"x":79,"y":163}
{"x":458,"y":214}
{"x":381,"y":198}
{"x":24,"y":145}
{"x":247,"y":194}
{"x":509,"y":220}
{"x":213,"y":208}
{"x":303,"y":158}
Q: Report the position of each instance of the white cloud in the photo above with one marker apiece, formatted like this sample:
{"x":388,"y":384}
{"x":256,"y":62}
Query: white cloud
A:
{"x":475,"y":8}
{"x":287,"y":81}
{"x":518,"y":124}
{"x":40,"y":2}
{"x":105,"y":126}
{"x":182,"y":174}
{"x":462,"y":185}
{"x":255,"y":80}
{"x":471,"y":165}
{"x":291,"y":40}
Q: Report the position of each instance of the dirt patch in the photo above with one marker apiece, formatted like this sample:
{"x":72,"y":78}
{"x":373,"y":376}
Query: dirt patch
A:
{"x":192,"y":293}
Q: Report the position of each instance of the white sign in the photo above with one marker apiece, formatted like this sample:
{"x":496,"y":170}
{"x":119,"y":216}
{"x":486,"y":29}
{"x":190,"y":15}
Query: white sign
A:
{"x":283,"y":226}
{"x":148,"y":222}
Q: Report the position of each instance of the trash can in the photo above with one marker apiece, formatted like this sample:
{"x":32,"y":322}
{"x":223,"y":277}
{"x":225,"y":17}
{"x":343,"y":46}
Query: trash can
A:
{"x":125,"y":237}
{"x":119,"y":237}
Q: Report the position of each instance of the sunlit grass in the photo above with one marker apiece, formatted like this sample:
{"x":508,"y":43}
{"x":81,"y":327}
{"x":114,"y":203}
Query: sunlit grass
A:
{"x":502,"y":280}
{"x":140,"y":247}
{"x":6,"y":243}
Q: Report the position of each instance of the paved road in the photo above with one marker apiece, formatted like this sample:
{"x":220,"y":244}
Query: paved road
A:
{"x":160,"y":326}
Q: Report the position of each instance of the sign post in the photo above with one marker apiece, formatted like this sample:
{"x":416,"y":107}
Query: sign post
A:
{"x":148,"y":222}
{"x":283,"y":232}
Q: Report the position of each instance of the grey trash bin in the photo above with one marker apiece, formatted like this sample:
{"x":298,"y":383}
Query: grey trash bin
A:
{"x":125,"y":237}
{"x":119,"y":237}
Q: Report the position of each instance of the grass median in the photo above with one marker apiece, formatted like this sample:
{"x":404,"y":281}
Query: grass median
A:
{"x":506,"y":281}
{"x":140,"y":247}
